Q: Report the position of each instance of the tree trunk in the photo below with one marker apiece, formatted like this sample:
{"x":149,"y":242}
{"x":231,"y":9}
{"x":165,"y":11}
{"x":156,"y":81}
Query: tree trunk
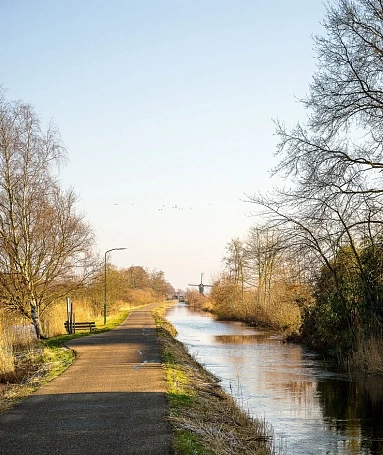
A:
{"x":36,"y":320}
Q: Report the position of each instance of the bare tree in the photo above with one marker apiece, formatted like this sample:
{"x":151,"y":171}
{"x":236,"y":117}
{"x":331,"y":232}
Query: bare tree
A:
{"x":235,"y":263}
{"x":341,"y":145}
{"x":336,"y":158}
{"x":263,"y":253}
{"x":45,"y":246}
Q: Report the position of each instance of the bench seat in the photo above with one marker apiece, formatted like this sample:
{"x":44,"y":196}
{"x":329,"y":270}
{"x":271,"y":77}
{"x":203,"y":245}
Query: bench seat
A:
{"x":74,"y":326}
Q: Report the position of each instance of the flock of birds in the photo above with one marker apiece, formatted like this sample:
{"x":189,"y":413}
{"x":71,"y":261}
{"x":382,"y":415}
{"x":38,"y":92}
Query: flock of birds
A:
{"x":164,"y":207}
{"x":176,"y":207}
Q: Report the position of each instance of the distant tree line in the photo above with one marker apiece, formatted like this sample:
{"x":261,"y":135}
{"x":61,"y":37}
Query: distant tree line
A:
{"x":136,"y":285}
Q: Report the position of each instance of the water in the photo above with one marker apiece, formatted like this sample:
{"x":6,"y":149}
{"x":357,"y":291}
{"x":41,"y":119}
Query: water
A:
{"x":313,"y":409}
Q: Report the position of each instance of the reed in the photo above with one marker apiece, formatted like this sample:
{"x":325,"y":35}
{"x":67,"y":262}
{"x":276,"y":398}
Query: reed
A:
{"x":7,"y":359}
{"x":139,"y":297}
{"x":368,"y":355}
{"x":16,"y":337}
{"x":277,"y":310}
{"x":198,"y":301}
{"x":53,"y":319}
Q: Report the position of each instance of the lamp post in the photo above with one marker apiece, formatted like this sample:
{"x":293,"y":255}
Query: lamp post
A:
{"x":106,"y":252}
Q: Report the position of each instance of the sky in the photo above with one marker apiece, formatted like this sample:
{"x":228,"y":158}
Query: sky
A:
{"x":166,"y":110}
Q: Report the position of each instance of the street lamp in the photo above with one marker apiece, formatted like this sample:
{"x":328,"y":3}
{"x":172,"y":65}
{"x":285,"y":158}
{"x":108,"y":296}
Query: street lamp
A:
{"x":106,"y":252}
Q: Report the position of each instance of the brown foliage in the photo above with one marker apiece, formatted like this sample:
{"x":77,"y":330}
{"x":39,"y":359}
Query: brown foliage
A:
{"x":198,"y":301}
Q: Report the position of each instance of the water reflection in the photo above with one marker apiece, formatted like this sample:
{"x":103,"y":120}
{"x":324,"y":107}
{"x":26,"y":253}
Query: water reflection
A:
{"x":236,"y":339}
{"x":313,"y":409}
{"x":355,"y":409}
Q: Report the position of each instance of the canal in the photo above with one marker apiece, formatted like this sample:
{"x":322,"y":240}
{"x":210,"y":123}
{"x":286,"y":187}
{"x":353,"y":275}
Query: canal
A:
{"x":312,"y":408}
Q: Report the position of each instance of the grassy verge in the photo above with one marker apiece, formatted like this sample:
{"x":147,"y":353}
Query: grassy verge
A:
{"x":43,"y":362}
{"x":205,"y":419}
{"x":33,"y":368}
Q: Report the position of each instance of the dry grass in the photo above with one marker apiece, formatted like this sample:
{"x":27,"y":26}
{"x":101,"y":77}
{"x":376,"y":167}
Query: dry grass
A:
{"x":281,"y":315}
{"x":7,"y":360}
{"x":198,"y":301}
{"x":53,"y":319}
{"x":33,"y":369}
{"x":138,"y":297}
{"x":15,"y":336}
{"x":368,"y":356}
{"x":201,"y":408}
{"x":278,"y":310}
{"x":216,"y":419}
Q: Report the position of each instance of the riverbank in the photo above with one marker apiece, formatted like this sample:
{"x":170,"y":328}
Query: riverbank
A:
{"x":206,"y":419}
{"x":312,"y":407}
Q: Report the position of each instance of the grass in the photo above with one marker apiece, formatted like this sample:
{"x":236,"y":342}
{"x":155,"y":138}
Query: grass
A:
{"x":33,"y":369}
{"x":205,"y":419}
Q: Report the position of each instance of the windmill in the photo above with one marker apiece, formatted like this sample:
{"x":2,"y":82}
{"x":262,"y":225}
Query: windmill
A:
{"x":201,"y":286}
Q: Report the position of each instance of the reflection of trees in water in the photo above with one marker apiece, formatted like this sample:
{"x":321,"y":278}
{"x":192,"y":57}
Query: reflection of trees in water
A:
{"x":258,"y":337}
{"x":302,"y":393}
{"x":356,"y":410}
{"x":297,"y":376}
{"x":281,"y":365}
{"x":238,"y":339}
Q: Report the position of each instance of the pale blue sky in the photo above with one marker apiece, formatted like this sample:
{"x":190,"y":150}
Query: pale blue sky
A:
{"x":163,"y":104}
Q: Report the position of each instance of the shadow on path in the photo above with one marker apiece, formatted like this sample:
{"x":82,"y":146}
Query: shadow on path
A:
{"x":111,"y":401}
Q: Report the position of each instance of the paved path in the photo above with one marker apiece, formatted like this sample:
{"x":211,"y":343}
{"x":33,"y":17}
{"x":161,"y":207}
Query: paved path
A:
{"x":110,"y":401}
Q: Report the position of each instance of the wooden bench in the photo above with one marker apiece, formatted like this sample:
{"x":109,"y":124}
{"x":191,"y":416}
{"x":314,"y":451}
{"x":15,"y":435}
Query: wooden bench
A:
{"x":74,"y":326}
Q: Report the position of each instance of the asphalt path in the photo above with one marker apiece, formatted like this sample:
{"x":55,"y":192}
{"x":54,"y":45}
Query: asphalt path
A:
{"x":110,"y":401}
